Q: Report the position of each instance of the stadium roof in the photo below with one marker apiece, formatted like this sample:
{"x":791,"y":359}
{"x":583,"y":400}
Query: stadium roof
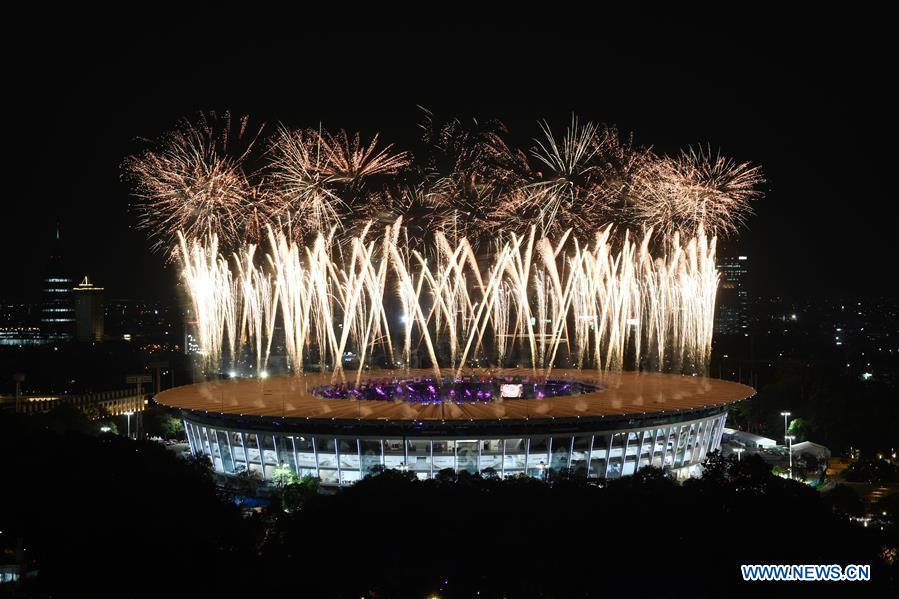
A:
{"x":628,"y":393}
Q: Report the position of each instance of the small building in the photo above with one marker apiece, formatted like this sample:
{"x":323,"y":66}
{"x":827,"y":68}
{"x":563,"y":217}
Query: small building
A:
{"x":745,"y":439}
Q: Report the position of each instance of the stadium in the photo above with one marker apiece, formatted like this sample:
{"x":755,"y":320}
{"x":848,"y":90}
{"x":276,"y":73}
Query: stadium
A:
{"x":502,"y":422}
{"x":586,"y":262}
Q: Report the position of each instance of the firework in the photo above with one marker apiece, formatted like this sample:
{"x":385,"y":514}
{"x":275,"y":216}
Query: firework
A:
{"x":612,"y":305}
{"x":468,"y":169}
{"x":585,"y":179}
{"x":697,"y":190}
{"x":489,"y":254}
{"x":467,"y":181}
{"x":193,"y":181}
{"x":320,"y":179}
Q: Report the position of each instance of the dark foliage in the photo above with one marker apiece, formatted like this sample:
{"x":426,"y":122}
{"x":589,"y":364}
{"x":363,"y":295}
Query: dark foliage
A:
{"x":103,"y":516}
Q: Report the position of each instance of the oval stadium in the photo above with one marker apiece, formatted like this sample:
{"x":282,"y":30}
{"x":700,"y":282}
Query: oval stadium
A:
{"x":502,"y":422}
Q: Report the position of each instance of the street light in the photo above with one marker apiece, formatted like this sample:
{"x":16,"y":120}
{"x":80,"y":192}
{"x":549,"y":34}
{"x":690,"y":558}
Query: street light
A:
{"x":739,"y":451}
{"x":128,"y":414}
{"x":105,"y":429}
{"x":785,"y":415}
{"x":789,"y":439}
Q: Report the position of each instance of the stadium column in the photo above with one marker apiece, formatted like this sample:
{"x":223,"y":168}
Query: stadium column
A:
{"x":478,"y":467}
{"x":337,"y":456}
{"x":527,"y":454}
{"x":261,"y":454}
{"x":627,"y":442}
{"x":711,"y":437}
{"x":703,"y":446}
{"x":318,"y":473}
{"x":678,"y":459}
{"x":570,"y":451}
{"x":723,"y":421}
{"x":605,"y":474}
{"x":668,"y":432}
{"x":227,"y":434}
{"x":642,"y":435}
{"x":208,"y":445}
{"x":246,"y":452}
{"x":277,"y":452}
{"x":190,"y":442}
{"x":590,"y":455}
{"x":549,"y":455}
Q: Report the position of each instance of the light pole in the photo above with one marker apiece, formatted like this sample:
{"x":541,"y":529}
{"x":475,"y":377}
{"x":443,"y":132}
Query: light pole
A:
{"x":785,"y":415}
{"x":128,"y":414}
{"x":739,"y":451}
{"x":19,"y":378}
{"x":138,"y":379}
{"x":789,"y":439}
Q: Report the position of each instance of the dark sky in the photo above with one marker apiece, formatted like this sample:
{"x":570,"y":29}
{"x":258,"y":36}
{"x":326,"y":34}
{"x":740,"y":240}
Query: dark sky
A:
{"x":811,"y":97}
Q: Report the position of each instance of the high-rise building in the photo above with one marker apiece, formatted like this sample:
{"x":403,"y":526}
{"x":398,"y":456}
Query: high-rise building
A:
{"x":57,"y":308}
{"x":89,"y":311}
{"x":732,"y":314}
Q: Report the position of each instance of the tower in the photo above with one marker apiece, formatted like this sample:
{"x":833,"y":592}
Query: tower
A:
{"x":57,"y":309}
{"x":88,"y":311}
{"x":732,"y":316}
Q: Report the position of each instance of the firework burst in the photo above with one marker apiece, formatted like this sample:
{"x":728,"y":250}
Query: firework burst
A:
{"x":468,"y":181}
{"x":321,"y":180}
{"x":193,"y":180}
{"x":469,"y":169}
{"x":697,"y":190}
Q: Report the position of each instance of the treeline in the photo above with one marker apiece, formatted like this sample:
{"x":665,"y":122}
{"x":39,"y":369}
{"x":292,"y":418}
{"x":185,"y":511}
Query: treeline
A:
{"x":104,"y":516}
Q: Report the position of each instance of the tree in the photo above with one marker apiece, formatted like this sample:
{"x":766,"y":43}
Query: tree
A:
{"x":245,"y":482}
{"x":447,"y":475}
{"x":376,"y":470}
{"x":489,"y":474}
{"x":799,"y":428}
{"x":282,"y":476}
{"x":298,"y":494}
{"x":161,"y":423}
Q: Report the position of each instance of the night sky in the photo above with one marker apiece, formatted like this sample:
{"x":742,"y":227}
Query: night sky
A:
{"x":812,"y":98}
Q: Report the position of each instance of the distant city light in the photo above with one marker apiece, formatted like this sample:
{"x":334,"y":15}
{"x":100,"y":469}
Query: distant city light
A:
{"x":263,"y":374}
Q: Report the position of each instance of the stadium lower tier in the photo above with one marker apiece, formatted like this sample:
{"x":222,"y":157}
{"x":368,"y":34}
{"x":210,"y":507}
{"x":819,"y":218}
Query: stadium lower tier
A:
{"x":595,"y":448}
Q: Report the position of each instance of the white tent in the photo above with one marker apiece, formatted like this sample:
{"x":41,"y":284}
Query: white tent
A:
{"x":819,"y":451}
{"x":748,"y":439}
